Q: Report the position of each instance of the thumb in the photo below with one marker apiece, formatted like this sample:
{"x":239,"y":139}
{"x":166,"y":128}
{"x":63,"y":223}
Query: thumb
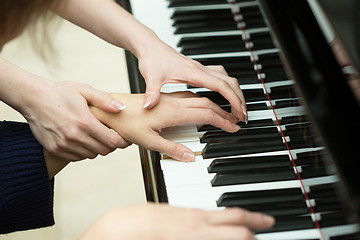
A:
{"x":102,"y":100}
{"x":172,"y":149}
{"x":152,"y":96}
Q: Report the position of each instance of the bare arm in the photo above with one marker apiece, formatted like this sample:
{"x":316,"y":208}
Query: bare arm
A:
{"x":58,"y":113}
{"x":158,"y":62}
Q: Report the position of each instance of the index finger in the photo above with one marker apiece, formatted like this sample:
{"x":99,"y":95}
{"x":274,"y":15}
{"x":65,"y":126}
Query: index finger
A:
{"x":240,"y":216}
{"x":224,"y":88}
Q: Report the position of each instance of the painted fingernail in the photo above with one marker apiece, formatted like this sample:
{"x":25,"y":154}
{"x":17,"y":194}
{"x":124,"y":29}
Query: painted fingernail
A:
{"x":118,"y":105}
{"x":245,"y":113}
{"x":188,"y":157}
{"x":147,"y":102}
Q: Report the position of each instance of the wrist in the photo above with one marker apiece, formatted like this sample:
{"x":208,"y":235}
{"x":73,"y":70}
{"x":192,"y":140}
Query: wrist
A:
{"x":26,"y":102}
{"x":141,"y":48}
{"x":54,"y":164}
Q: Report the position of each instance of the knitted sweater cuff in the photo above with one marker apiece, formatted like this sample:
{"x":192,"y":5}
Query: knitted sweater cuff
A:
{"x":26,"y":193}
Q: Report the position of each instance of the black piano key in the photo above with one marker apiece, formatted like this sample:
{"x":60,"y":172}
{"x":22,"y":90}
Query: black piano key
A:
{"x":251,"y":124}
{"x":182,"y":3}
{"x":251,"y":95}
{"x":259,"y":197}
{"x":243,"y":163}
{"x":285,"y":208}
{"x":203,"y":14}
{"x":293,"y":119}
{"x":242,"y":134}
{"x":208,"y":26}
{"x":253,"y":23}
{"x":245,"y":79}
{"x":214,"y":150}
{"x":327,"y":205}
{"x":229,"y":63}
{"x":323,"y":191}
{"x":250,"y":12}
{"x":250,"y":107}
{"x":273,"y":75}
{"x":256,"y":106}
{"x":282,"y":92}
{"x":261,"y":40}
{"x":272,"y":62}
{"x":211,"y":44}
{"x":286,"y":103}
{"x":336,"y":219}
{"x":241,"y":68}
{"x":253,"y":176}
{"x":287,"y":223}
{"x":311,"y":172}
{"x":203,"y":21}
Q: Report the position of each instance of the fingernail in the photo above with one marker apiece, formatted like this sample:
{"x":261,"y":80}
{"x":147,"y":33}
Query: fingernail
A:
{"x":118,"y":105}
{"x":245,"y":113}
{"x":147,"y":102}
{"x":269,"y":220}
{"x":188,"y":157}
{"x":237,"y":127}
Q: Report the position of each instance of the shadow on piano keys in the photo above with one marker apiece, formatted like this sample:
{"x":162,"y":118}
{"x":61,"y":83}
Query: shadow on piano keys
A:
{"x":296,"y":157}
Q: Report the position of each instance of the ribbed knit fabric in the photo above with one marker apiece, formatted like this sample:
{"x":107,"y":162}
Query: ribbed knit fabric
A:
{"x":26,"y":194}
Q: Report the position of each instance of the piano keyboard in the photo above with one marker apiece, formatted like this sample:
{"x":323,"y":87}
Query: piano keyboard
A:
{"x":274,"y":164}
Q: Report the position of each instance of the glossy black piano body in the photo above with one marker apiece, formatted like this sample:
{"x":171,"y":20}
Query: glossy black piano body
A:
{"x":331,"y":124}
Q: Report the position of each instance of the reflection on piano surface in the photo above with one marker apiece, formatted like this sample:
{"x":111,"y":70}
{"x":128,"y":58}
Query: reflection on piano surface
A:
{"x":284,"y":161}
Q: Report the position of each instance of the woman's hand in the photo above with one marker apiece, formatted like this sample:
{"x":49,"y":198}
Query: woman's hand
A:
{"x":60,"y":119}
{"x":158,"y":222}
{"x":138,"y":125}
{"x":160,"y":64}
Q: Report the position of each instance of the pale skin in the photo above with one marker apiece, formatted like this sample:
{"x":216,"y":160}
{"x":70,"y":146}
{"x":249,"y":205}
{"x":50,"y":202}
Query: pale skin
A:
{"x":74,"y":134}
{"x":160,"y":221}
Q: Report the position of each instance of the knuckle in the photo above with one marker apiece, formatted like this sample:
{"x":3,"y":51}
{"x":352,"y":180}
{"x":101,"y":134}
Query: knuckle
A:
{"x":106,"y":151}
{"x":223,"y":84}
{"x":113,"y":142}
{"x":92,"y":155}
{"x":172,"y":149}
{"x":233,"y":81}
{"x":71,"y":134}
{"x":205,"y":101}
{"x":82,"y":123}
{"x":220,"y":68}
{"x":209,"y":114}
{"x":240,"y":214}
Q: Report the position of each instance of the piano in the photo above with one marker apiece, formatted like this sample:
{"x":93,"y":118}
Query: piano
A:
{"x":296,"y":157}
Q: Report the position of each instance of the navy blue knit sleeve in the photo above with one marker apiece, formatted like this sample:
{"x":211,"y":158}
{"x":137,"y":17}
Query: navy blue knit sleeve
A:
{"x":26,"y":193}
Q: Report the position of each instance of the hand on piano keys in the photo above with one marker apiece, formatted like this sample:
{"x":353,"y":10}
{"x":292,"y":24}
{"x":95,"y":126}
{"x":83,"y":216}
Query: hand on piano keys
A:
{"x":173,"y":67}
{"x":141,"y":126}
{"x":161,"y":221}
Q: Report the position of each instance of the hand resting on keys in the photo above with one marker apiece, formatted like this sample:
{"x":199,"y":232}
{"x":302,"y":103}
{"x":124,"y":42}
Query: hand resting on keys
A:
{"x":141,"y":126}
{"x":162,"y":222}
{"x":178,"y":68}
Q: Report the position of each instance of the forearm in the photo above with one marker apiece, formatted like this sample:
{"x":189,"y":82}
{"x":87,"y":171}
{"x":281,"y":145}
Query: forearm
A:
{"x":19,"y":88}
{"x":109,"y":21}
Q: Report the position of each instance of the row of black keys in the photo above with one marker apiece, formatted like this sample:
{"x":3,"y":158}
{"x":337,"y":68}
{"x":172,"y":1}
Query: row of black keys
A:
{"x":289,"y":206}
{"x":182,"y":3}
{"x":212,"y":20}
{"x":243,"y":68}
{"x":240,"y":170}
